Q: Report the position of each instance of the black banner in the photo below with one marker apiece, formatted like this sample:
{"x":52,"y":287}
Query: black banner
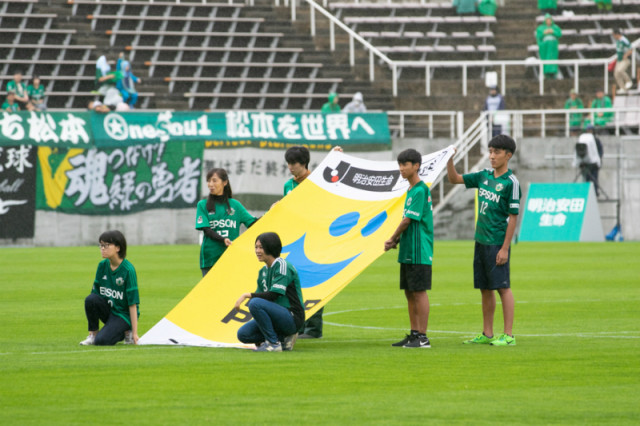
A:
{"x":17,"y":191}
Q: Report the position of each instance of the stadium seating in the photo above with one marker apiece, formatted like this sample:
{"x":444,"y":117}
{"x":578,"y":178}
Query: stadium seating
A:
{"x":415,"y":31}
{"x":210,"y":53}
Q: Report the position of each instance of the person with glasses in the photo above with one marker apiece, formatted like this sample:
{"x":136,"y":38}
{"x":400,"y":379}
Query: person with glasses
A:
{"x":114,"y":297}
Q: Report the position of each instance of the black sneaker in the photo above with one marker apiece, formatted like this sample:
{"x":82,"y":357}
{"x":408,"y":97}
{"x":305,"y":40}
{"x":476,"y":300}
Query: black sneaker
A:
{"x":404,"y":341}
{"x":418,"y":342}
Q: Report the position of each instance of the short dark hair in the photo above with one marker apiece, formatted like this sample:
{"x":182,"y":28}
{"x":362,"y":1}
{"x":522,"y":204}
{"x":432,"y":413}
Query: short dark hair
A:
{"x":409,"y":155}
{"x":298,"y":154}
{"x":617,"y":31}
{"x":503,"y":142}
{"x":271,"y":243}
{"x":117,"y":239}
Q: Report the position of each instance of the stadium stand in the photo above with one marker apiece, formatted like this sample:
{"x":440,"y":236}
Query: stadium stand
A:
{"x":416,"y":31}
{"x":586,"y":33}
{"x":214,"y":55}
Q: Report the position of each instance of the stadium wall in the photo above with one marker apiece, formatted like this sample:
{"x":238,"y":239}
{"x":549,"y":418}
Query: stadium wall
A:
{"x":531,"y":164}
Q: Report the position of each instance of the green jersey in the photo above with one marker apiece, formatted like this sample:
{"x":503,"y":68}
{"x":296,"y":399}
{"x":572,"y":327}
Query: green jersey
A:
{"x":416,"y":242}
{"x":225,"y":221}
{"x":119,"y":287}
{"x":497,"y":199}
{"x":6,"y":106}
{"x":35,"y":94}
{"x":19,"y":89}
{"x":622,"y":46}
{"x":575,"y":119}
{"x":282,"y":278}
{"x":290,"y":185}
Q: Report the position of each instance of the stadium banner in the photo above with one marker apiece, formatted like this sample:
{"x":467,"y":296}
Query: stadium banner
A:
{"x":120,"y":180}
{"x":232,"y":128}
{"x":332,"y":227}
{"x":60,"y":129}
{"x":561,"y":212}
{"x":17,"y":191}
{"x":239,"y":128}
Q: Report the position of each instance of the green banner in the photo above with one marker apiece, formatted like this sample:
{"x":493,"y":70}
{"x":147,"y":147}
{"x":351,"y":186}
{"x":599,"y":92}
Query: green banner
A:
{"x":120,"y":180}
{"x":241,"y":128}
{"x":134,"y":128}
{"x":62,"y":129}
{"x":561,"y":212}
{"x":258,"y":129}
{"x":277,"y":130}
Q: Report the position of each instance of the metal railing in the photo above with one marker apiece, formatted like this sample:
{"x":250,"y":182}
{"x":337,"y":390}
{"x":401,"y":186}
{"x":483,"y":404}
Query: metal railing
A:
{"x":430,"y":65}
{"x":412,"y":123}
{"x":476,"y":133}
{"x":558,"y":120}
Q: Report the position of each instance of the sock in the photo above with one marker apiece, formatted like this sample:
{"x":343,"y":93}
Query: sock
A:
{"x":414,"y":333}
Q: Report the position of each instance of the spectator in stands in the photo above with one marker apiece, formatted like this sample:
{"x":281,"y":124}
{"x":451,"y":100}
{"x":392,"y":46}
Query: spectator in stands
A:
{"x":356,"y":105}
{"x":98,"y":106}
{"x":548,"y":6}
{"x":19,"y":89}
{"x":10,"y":104}
{"x":105,"y":78}
{"x":487,"y":7}
{"x":600,"y":118}
{"x":126,"y":85}
{"x":331,"y":106}
{"x":604,"y":5}
{"x":547,"y":36}
{"x":465,"y":7}
{"x":623,"y":52}
{"x":494,"y":102}
{"x":588,"y":158}
{"x":575,"y":119}
{"x":36,"y":94}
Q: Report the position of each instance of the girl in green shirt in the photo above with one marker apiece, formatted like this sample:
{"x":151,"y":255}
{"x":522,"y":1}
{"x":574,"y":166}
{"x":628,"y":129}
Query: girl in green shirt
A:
{"x":219,"y":217}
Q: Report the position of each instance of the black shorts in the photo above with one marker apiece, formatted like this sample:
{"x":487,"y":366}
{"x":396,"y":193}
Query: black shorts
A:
{"x":486,"y":274}
{"x":415,"y":277}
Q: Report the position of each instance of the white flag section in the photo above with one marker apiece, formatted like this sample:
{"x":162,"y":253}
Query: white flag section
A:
{"x":332,"y":227}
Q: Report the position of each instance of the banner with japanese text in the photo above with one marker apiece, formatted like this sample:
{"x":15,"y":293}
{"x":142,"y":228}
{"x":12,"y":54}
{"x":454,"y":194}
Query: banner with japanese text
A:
{"x":17,"y":191}
{"x":332,"y":227}
{"x":62,"y":129}
{"x":119,"y":180}
{"x":259,"y":129}
{"x":561,"y":212}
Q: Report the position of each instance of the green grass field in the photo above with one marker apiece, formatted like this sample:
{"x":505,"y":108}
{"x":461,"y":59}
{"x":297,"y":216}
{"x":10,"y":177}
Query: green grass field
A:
{"x":577,"y":359}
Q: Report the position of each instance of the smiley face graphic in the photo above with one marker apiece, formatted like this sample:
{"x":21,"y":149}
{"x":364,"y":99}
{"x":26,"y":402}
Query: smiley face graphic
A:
{"x":312,"y":273}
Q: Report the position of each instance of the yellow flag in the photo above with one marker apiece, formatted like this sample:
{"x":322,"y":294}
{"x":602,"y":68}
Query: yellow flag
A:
{"x":332,"y":227}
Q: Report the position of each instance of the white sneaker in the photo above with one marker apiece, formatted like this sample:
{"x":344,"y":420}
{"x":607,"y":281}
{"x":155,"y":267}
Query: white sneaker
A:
{"x":128,"y":338}
{"x":628,"y":85}
{"x":289,"y":341}
{"x":621,"y":92}
{"x":89,"y":340}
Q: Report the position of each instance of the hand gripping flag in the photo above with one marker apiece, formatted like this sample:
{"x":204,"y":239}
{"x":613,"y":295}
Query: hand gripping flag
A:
{"x":332,"y":227}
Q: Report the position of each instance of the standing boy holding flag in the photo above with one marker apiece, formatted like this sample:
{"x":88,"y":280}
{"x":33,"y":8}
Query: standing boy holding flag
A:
{"x":415,"y":235}
{"x":498,"y":207}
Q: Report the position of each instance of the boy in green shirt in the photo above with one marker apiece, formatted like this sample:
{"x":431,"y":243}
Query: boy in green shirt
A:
{"x":415,"y":235}
{"x":36,"y":94}
{"x":575,"y":119}
{"x":19,"y":89}
{"x":498,"y":208}
{"x":10,"y":105}
{"x":276,"y":305}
